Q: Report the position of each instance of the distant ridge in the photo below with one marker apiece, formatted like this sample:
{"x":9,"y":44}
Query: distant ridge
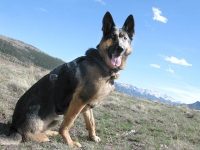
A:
{"x":195,"y":105}
{"x":18,"y":44}
{"x":18,"y":51}
{"x":144,"y":93}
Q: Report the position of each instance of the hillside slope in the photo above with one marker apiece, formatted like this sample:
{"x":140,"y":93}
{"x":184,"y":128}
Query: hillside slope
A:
{"x":123,"y":122}
{"x":20,"y":52}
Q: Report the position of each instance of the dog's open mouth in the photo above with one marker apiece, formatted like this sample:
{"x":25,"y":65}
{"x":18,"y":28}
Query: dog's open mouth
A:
{"x":116,"y":60}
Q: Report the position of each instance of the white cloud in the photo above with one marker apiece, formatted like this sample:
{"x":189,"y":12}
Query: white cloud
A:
{"x":157,"y":15}
{"x":101,"y":2}
{"x":42,"y":9}
{"x":154,"y":66}
{"x":170,"y":70}
{"x":175,"y":60}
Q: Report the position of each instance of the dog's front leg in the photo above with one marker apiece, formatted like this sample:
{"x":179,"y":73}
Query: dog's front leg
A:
{"x":90,"y":125}
{"x":75,"y":107}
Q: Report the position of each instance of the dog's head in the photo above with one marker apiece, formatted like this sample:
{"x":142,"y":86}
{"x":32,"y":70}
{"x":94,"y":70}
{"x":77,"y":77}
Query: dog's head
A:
{"x":115,"y":45}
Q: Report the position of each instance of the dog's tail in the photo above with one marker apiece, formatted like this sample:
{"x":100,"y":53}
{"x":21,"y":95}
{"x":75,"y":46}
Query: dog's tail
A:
{"x":13,"y":139}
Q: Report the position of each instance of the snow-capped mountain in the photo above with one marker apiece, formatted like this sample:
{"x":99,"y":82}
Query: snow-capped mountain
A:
{"x":144,"y":93}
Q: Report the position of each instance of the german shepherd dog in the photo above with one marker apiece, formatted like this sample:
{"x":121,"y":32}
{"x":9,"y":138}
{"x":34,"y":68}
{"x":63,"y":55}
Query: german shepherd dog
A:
{"x":72,"y":88}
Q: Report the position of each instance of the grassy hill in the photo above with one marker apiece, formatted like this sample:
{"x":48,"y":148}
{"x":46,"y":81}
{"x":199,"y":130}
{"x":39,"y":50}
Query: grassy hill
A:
{"x":25,"y":54}
{"x":123,"y":122}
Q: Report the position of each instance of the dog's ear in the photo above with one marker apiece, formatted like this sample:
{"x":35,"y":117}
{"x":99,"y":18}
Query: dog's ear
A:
{"x":108,"y":23}
{"x":129,"y":26}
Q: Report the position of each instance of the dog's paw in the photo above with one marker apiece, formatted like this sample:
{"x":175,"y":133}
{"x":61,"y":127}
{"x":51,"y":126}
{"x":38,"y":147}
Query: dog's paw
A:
{"x":95,"y":138}
{"x":75,"y":144}
{"x":50,"y":133}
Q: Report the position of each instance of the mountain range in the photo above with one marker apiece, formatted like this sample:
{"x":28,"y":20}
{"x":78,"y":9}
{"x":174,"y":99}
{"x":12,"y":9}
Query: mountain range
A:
{"x":144,"y":93}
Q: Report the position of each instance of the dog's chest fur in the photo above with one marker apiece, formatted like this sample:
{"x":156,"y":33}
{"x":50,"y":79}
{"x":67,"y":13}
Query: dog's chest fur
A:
{"x":95,"y":82}
{"x":102,"y":87}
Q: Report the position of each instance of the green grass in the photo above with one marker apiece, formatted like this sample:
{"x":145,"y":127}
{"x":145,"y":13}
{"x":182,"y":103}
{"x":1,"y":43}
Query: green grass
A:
{"x":122,"y":122}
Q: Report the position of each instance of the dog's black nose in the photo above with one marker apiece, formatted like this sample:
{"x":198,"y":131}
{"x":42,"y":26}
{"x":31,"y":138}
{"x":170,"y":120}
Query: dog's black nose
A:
{"x":120,"y":49}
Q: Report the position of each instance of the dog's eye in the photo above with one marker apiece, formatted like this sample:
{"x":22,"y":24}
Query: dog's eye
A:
{"x":125,"y":38}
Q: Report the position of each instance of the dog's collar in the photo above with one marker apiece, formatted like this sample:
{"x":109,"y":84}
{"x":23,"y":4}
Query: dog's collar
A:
{"x":94,"y":54}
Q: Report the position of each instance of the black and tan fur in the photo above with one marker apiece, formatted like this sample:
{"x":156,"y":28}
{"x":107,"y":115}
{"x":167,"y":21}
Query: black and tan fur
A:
{"x":81,"y":85}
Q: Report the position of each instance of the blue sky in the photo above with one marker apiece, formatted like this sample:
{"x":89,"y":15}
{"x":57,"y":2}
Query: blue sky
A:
{"x":166,"y":45}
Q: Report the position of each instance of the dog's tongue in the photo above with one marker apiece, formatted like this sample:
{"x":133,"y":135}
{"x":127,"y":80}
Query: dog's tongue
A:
{"x":116,"y":61}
